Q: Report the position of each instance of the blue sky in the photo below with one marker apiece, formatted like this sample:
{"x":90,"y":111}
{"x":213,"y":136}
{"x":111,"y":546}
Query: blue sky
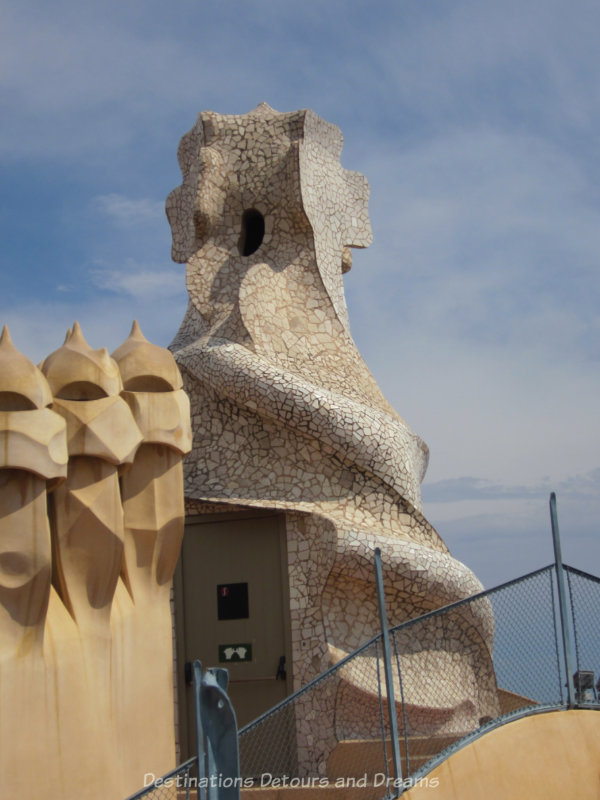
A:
{"x":476,"y":124}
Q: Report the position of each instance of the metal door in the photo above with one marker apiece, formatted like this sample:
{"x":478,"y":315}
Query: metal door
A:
{"x":233,"y":611}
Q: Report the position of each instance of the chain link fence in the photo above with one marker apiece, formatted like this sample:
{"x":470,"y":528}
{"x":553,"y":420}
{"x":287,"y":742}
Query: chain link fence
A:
{"x":307,"y":740}
{"x":451,"y":682}
{"x":584,"y":597}
{"x":179,"y":784}
{"x":454,"y":671}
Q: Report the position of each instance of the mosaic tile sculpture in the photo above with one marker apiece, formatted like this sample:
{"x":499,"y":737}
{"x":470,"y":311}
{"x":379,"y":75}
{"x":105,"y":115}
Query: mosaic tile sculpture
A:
{"x":286,"y":414}
{"x":85,"y":566}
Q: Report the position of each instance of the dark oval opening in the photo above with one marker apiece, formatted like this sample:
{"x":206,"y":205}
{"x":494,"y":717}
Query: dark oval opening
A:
{"x":253,"y":231}
{"x":13,"y":401}
{"x":147,"y":383}
{"x":81,"y":390}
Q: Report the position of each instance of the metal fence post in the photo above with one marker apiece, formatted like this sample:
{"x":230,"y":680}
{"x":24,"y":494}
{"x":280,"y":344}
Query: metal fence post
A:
{"x":389,"y":678}
{"x":220,"y":729}
{"x":201,"y":786}
{"x":562,"y":602}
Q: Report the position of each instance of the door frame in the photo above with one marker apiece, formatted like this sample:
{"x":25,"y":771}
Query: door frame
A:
{"x":185,"y":743}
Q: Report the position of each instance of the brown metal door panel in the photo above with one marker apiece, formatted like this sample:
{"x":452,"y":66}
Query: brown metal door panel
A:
{"x":229,"y":553}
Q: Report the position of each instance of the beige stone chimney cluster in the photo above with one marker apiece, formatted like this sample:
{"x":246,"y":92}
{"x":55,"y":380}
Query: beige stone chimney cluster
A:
{"x":91,"y":521}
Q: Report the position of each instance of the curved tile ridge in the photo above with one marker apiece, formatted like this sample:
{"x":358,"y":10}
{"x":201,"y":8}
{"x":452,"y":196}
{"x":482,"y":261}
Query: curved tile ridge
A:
{"x":429,"y":573}
{"x":364,"y":436}
{"x":446,"y":661}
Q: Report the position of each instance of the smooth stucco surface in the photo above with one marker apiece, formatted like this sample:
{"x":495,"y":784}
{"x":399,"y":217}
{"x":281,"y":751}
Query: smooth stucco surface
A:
{"x":554,"y":756}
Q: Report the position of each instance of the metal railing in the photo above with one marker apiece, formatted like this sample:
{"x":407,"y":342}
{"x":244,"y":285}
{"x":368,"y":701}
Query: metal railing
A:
{"x":337,"y":728}
{"x":179,"y":784}
{"x":455,"y":672}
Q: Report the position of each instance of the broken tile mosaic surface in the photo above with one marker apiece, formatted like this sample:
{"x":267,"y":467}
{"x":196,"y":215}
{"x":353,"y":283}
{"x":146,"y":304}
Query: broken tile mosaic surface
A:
{"x":285,"y":412}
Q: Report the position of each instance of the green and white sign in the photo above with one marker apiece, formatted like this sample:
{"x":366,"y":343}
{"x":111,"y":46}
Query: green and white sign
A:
{"x":228,"y":653}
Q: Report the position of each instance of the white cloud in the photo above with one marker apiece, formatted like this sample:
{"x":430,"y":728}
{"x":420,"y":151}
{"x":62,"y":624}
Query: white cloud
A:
{"x":38,"y":328}
{"x":129,"y":212}
{"x":102,"y":78}
{"x":506,"y":415}
{"x":534,"y":61}
{"x":453,"y":490}
{"x":142,"y":284}
{"x":503,"y":538}
{"x":478,"y":305}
